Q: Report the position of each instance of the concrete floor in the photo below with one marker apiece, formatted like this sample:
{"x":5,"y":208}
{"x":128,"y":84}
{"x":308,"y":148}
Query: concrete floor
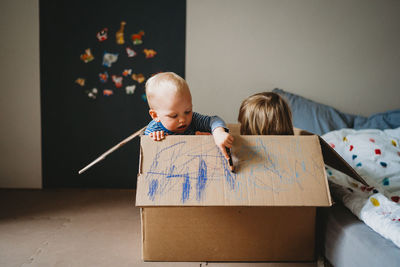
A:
{"x":77,"y":227}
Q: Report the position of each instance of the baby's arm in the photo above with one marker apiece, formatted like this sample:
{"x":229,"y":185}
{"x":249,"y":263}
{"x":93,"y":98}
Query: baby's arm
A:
{"x":217,"y":127}
{"x":153,"y":130}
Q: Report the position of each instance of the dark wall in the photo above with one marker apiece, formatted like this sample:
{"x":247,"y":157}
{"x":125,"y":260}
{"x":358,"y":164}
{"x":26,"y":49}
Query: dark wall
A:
{"x":78,"y":125}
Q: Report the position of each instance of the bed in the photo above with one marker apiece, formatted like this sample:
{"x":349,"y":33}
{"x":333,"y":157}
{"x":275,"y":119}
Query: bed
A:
{"x":362,"y":228}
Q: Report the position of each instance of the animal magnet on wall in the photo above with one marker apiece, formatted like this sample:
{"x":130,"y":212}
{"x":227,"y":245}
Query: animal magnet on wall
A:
{"x":109,"y":59}
{"x":138,"y":77}
{"x":127,"y":72}
{"x":80,"y":81}
{"x":119,"y":35}
{"x":87,"y":57}
{"x":117,"y":80}
{"x":103,"y":77}
{"x":102,"y":35}
{"x":92,"y":93}
{"x":130,"y":52}
{"x":130,"y":89}
{"x":150,"y":53}
{"x":137,"y":38}
{"x":108,"y":92}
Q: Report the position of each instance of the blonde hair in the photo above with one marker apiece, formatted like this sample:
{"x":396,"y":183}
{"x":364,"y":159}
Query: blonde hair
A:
{"x":164,"y":83}
{"x":265,"y":114}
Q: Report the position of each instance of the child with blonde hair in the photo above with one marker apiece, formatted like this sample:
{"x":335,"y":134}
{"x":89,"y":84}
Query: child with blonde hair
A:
{"x":265,"y":113}
{"x":170,"y":103}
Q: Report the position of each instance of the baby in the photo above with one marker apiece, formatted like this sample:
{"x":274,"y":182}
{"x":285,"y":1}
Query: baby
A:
{"x":171,"y":106}
{"x":265,"y":114}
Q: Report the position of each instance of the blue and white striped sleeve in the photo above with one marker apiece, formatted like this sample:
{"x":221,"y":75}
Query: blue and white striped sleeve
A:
{"x":152,"y":127}
{"x":204,"y":123}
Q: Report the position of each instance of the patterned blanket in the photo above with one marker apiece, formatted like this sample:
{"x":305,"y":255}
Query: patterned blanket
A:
{"x":375,"y":155}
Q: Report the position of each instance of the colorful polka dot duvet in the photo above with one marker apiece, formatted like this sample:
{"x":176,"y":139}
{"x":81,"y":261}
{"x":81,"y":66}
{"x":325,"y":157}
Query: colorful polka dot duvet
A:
{"x":375,"y":155}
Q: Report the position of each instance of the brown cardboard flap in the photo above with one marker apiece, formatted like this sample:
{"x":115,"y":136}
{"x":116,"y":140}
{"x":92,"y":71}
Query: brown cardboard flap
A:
{"x":270,"y":171}
{"x":333,"y":159}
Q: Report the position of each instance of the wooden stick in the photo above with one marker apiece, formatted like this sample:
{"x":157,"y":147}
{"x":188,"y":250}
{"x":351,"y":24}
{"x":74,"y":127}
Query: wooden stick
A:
{"x":108,"y":152}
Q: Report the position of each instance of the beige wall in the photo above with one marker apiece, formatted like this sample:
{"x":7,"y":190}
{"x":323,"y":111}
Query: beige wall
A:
{"x":344,"y":53}
{"x":20,"y":158}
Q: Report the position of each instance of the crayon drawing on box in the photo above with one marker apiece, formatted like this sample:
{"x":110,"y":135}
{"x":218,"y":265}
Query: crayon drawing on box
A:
{"x":195,"y":171}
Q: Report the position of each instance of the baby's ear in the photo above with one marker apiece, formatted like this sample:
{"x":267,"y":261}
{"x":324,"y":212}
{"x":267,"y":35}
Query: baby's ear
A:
{"x":154,"y":115}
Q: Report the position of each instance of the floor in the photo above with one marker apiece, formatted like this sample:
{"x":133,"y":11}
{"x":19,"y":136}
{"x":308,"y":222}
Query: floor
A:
{"x":78,"y":227}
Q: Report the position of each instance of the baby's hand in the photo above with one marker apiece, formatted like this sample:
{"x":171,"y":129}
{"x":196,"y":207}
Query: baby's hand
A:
{"x":223,"y":140}
{"x":157,"y":135}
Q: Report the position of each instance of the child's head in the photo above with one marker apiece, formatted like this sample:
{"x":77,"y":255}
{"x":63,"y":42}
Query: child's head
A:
{"x":170,"y":101}
{"x":265,"y":114}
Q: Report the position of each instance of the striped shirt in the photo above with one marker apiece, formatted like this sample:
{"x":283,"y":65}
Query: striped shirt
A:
{"x":199,"y":122}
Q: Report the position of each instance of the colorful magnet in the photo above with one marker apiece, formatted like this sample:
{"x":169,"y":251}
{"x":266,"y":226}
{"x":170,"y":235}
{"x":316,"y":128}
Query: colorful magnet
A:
{"x":102,"y":35}
{"x":87,"y":57}
{"x":103,"y":77}
{"x":127,"y":72}
{"x":138,"y":77}
{"x":120,"y":33}
{"x":108,"y":92}
{"x":80,"y":81}
{"x":130,"y":89}
{"x":150,"y":53}
{"x":92,"y":93}
{"x":117,"y":80}
{"x":109,"y":59}
{"x":137,"y":38}
{"x":130,"y":52}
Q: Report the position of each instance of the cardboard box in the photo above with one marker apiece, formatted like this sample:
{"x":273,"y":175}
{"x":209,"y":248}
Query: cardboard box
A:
{"x":194,"y":209}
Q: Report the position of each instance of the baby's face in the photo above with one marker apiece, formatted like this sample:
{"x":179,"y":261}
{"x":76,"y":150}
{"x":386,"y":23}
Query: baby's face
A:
{"x":175,"y":112}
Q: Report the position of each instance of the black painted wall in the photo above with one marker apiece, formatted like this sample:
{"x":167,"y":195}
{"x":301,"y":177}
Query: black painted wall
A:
{"x":78,"y":125}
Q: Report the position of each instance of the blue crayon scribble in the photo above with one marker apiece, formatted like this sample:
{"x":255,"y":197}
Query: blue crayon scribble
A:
{"x":186,"y":188}
{"x":171,"y":171}
{"x":228,"y":176}
{"x":201,"y":179}
{"x":152,"y":189}
{"x":303,"y":165}
{"x":176,"y":167}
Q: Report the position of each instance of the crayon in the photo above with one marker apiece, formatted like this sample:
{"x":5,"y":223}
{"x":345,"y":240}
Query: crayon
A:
{"x":230,"y":160}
